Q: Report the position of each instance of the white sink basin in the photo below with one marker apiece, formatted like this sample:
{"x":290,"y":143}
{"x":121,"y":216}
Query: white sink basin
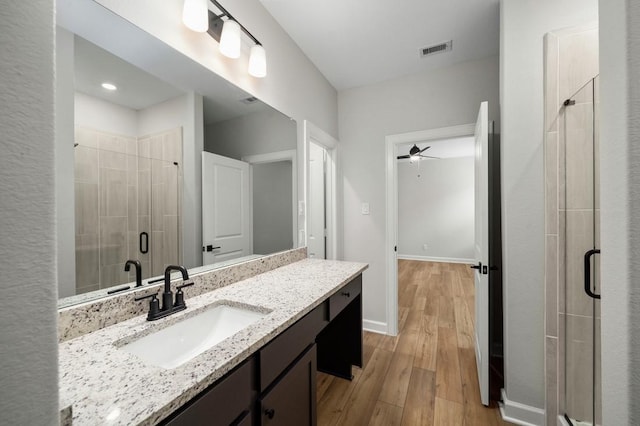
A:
{"x":180,"y":342}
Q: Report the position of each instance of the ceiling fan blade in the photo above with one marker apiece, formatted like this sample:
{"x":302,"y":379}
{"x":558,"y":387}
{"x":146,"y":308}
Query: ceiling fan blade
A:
{"x":424,"y":149}
{"x":428,"y":156}
{"x":400,"y":157}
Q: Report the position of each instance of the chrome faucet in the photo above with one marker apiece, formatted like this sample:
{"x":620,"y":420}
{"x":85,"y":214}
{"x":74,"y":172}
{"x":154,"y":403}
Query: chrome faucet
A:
{"x":168,"y":305}
{"x":138,"y":267}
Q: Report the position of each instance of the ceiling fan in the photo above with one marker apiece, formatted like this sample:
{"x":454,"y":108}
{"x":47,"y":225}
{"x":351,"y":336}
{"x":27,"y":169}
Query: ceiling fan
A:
{"x":415,"y":153}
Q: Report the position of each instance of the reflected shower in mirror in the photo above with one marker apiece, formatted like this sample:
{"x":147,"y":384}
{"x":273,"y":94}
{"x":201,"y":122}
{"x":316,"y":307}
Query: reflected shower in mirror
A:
{"x":135,"y":154}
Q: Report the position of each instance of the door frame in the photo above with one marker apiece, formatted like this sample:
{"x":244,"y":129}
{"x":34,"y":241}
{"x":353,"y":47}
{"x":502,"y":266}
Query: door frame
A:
{"x":314,"y":134}
{"x":391,"y":192}
{"x":274,"y":157}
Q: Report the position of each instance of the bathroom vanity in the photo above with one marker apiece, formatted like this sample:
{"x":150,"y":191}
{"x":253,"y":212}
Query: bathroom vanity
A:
{"x":263,"y":374}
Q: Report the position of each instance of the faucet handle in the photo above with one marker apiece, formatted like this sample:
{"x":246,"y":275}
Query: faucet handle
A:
{"x":154,"y":305}
{"x":180,"y":295}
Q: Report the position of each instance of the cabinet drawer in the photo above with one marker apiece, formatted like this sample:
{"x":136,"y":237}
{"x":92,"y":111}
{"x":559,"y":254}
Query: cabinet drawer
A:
{"x":344,"y":296}
{"x":224,"y":402}
{"x":284,"y":349}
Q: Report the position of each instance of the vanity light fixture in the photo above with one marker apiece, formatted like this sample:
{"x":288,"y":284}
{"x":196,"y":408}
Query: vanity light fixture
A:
{"x":258,"y":61}
{"x":195,"y":16}
{"x":109,"y":86}
{"x":230,"y":41}
{"x":227,"y":31}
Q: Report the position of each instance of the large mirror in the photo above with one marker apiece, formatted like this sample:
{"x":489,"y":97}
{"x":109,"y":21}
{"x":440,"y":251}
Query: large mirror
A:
{"x":171,"y":164}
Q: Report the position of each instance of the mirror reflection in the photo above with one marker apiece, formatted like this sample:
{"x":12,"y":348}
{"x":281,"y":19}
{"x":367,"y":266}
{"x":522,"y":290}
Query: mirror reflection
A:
{"x":131,"y":180}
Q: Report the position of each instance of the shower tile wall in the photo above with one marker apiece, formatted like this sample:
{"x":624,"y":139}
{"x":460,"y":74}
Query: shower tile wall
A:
{"x":571,"y":60}
{"x":116,"y":179}
{"x":103,"y":217}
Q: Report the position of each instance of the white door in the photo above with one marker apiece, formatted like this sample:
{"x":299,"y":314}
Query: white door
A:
{"x":226,"y":212}
{"x":482,"y":250}
{"x":317,"y":210}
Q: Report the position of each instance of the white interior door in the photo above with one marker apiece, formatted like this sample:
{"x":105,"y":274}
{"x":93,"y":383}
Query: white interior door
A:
{"x":226,"y":209}
{"x":316,"y":214}
{"x":482,"y":250}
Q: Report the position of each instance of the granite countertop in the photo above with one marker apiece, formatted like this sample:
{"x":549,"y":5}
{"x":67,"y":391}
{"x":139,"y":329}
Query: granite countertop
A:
{"x":106,"y":385}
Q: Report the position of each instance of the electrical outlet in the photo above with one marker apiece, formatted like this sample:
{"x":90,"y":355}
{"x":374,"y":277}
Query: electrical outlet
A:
{"x":425,"y":247}
{"x":364,"y":208}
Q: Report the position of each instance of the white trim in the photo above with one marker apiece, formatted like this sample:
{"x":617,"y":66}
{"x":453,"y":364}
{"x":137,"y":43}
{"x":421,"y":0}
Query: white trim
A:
{"x":274,"y":157}
{"x":330,"y":144}
{"x":562,"y":421}
{"x":435,"y":259}
{"x":520,"y":414}
{"x":374,"y":326}
{"x":391,"y":192}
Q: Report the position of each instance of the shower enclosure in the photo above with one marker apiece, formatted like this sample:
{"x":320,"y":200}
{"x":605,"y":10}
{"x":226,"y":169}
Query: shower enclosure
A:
{"x":578,"y":258}
{"x":127,"y":193}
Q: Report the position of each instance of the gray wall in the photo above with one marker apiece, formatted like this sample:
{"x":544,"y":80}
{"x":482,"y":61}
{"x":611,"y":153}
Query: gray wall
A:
{"x":620,"y":202}
{"x":437,"y":209}
{"x":523,"y":25}
{"x":272,"y":201}
{"x":28,"y":336}
{"x":258,"y":133}
{"x":439,"y":98}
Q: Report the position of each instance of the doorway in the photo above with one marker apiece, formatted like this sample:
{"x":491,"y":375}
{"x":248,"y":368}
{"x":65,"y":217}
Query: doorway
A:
{"x":487,"y":244}
{"x":392,"y":144}
{"x":321,"y":193}
{"x":273,"y":187}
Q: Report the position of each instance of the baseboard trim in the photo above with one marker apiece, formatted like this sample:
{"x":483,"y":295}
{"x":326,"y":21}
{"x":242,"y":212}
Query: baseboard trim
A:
{"x":435,"y":259}
{"x":374,"y":326}
{"x":520,"y":414}
{"x":562,"y":421}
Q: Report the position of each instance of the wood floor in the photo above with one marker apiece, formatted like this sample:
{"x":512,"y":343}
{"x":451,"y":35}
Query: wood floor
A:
{"x":427,"y":374}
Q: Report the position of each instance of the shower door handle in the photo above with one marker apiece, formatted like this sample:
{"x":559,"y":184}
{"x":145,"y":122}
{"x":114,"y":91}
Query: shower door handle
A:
{"x":587,"y":273}
{"x":144,"y":242}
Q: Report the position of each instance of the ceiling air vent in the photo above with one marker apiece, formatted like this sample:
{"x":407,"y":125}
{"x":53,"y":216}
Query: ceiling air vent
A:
{"x":250,"y":100}
{"x":438,"y":48}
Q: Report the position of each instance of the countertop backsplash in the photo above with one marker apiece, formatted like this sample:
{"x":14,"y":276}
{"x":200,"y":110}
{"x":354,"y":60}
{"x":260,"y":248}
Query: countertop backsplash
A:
{"x":77,"y":320}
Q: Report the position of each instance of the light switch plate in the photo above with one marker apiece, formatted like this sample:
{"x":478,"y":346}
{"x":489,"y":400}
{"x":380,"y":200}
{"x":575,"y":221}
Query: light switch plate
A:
{"x":365,"y":208}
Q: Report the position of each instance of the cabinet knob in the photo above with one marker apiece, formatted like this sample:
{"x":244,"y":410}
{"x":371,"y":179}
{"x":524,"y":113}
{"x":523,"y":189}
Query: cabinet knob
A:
{"x":346,"y":293}
{"x":270,"y":413}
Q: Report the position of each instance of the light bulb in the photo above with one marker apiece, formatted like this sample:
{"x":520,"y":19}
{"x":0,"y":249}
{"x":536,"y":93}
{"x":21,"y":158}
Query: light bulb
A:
{"x":109,"y":86}
{"x":258,"y":61}
{"x":195,"y":15}
{"x":230,"y":39}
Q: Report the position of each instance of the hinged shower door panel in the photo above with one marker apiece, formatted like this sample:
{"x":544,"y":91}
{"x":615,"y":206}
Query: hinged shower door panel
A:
{"x":580,"y":211}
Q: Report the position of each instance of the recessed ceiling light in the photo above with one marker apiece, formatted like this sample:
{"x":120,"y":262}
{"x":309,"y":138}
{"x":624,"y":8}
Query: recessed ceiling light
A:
{"x":109,"y":86}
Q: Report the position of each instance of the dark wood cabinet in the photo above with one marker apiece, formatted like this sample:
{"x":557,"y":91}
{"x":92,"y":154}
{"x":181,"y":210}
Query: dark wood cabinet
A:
{"x":292,"y":398}
{"x":228,"y":401}
{"x":284,"y":349}
{"x":340,"y":342}
{"x":277,"y":384}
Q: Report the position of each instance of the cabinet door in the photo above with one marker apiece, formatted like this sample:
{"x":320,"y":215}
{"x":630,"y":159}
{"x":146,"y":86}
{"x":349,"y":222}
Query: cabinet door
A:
{"x":292,"y":399}
{"x":222,"y":404}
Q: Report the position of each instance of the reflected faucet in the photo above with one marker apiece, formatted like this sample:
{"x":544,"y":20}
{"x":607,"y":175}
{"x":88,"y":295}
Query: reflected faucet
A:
{"x":138,"y":267}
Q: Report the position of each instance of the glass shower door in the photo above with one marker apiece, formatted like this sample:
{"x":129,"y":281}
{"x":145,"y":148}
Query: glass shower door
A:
{"x":580,"y":305}
{"x":158,"y":215}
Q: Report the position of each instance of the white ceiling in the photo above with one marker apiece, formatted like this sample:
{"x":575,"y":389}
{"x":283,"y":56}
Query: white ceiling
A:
{"x":359,"y":42}
{"x":445,"y":148}
{"x":137,"y":89}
